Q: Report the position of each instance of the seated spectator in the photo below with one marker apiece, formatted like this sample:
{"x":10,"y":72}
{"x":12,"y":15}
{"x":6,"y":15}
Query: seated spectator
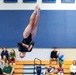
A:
{"x":60,"y":69}
{"x":8,"y":70}
{"x":4,"y":59}
{"x":4,"y":52}
{"x":1,"y":67}
{"x":12,"y":57}
{"x":2,"y":64}
{"x":53,"y":56}
{"x":73,"y":68}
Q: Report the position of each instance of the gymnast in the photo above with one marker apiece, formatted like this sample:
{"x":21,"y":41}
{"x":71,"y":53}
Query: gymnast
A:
{"x":29,"y":33}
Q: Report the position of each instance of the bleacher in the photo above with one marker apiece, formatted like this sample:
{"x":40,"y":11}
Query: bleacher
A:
{"x":19,"y":67}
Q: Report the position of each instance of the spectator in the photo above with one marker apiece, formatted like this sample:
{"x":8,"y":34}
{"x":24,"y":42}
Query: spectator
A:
{"x":4,"y":59}
{"x":8,"y":70}
{"x":1,"y":67}
{"x":2,"y":64}
{"x":60,"y":69}
{"x":73,"y":68}
{"x":53,"y":56}
{"x":12,"y":57}
{"x":4,"y":52}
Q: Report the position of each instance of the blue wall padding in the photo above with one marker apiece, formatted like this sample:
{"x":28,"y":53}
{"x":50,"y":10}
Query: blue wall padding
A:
{"x":56,"y":28}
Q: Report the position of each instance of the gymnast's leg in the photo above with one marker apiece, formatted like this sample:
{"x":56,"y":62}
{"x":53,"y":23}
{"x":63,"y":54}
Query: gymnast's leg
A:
{"x":28,"y":29}
{"x":34,"y":28}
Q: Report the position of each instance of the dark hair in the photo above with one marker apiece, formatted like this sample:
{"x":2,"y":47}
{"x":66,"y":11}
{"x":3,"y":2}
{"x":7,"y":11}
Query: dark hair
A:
{"x":4,"y":47}
{"x":13,"y":51}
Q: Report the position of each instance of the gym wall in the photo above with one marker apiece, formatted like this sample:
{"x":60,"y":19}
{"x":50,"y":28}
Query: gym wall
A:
{"x":56,"y":27}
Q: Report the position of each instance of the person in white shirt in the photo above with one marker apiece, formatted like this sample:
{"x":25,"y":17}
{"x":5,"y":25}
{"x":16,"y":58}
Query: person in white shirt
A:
{"x":1,"y":63}
{"x":73,"y":68}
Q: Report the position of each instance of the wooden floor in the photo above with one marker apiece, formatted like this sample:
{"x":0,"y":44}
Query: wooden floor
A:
{"x":19,"y":66}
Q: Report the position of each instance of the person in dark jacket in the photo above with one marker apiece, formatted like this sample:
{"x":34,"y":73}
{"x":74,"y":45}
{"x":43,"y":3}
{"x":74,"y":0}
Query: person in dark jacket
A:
{"x":4,"y":52}
{"x":53,"y":55}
